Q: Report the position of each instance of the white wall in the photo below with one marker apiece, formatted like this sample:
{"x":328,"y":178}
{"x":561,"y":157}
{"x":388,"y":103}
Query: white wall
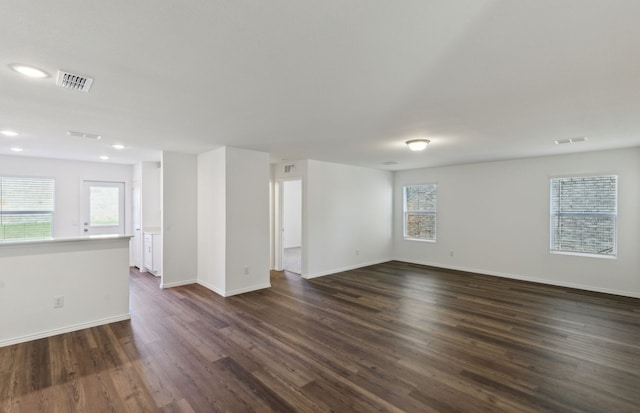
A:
{"x":91,"y":274}
{"x":348,"y":222}
{"x":233,"y":219}
{"x":292,"y":214}
{"x":68,"y":177}
{"x":150,"y":193}
{"x":179,"y":219}
{"x":494,"y":217}
{"x":212,"y":220}
{"x":247,"y":220}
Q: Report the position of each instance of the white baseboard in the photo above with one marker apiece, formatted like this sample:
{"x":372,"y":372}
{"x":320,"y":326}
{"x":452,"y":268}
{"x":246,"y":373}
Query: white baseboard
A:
{"x":177,"y":283}
{"x":350,"y":267}
{"x":247,"y":289}
{"x":522,"y":278}
{"x":211,"y":287}
{"x":62,"y":330}
{"x":234,"y":292}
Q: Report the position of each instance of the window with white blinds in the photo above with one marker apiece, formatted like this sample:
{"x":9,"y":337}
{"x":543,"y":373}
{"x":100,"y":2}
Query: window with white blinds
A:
{"x":26,"y":208}
{"x":584,"y":214}
{"x":420,"y":209}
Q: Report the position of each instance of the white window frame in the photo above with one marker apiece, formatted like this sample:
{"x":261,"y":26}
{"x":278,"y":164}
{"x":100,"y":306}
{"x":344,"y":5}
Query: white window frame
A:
{"x":553,"y":214}
{"x":50,"y":212}
{"x":406,"y":212}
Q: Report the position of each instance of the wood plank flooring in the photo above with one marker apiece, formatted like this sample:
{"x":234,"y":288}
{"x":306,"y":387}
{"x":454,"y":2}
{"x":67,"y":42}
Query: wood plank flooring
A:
{"x":387,"y":338}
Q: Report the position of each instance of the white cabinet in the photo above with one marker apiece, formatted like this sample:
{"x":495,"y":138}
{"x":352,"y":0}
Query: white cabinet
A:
{"x":153,"y":252}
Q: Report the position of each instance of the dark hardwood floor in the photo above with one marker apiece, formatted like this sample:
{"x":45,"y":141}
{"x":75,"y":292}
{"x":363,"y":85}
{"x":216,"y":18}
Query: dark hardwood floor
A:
{"x":390,"y":337}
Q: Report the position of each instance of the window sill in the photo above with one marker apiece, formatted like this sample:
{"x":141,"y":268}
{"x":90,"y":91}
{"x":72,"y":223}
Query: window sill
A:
{"x":420,"y":240}
{"x":581,"y":254}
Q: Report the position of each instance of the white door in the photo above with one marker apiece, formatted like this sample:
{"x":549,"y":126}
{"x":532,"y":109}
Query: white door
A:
{"x":103,"y":208}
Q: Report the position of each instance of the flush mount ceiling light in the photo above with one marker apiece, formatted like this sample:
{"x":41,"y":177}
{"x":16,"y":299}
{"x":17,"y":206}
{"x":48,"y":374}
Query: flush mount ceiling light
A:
{"x":29,"y":71}
{"x":16,"y":149}
{"x":118,"y":146}
{"x":104,"y":157}
{"x":417,"y":144}
{"x":9,"y":133}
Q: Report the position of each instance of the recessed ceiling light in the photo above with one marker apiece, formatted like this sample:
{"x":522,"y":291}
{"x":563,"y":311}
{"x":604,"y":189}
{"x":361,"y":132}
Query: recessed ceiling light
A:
{"x":418,"y":144}
{"x":104,"y":157}
{"x":29,"y":71}
{"x":16,"y":149}
{"x":9,"y":133}
{"x":117,"y":146}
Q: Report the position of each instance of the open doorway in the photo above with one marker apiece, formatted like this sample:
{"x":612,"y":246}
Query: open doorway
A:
{"x":291,"y":225}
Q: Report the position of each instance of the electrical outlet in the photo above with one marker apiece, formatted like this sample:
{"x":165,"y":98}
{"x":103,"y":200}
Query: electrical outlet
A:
{"x":58,"y":301}
{"x":451,"y":253}
{"x":246,"y":270}
{"x":357,"y":252}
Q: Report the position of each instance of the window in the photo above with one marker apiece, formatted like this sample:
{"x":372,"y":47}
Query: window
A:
{"x":583,"y":215}
{"x":104,"y":206}
{"x":26,"y":208}
{"x":420,"y":212}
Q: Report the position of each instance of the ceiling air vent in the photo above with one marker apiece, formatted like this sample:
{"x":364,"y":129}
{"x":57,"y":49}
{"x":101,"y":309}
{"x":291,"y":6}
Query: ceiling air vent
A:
{"x":73,"y":81}
{"x":93,"y":136}
{"x":570,"y":140}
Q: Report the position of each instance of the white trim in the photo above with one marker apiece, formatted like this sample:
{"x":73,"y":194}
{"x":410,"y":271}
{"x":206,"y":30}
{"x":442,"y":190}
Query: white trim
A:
{"x":247,"y":289}
{"x":211,"y":287}
{"x":420,"y":239}
{"x":63,"y":330}
{"x":233,"y":292}
{"x":177,"y":283}
{"x":583,"y":254}
{"x":347,"y":268}
{"x":523,"y":278}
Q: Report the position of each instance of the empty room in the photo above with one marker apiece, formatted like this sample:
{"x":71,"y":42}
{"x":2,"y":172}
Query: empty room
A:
{"x":320,"y":206}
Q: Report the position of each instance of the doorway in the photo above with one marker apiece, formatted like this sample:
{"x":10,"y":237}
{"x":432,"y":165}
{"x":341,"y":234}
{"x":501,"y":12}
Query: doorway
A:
{"x":103,"y":208}
{"x":136,"y":241}
{"x":291,"y":225}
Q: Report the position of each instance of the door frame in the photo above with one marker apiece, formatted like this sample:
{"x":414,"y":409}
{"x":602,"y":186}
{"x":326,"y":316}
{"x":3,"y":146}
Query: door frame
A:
{"x":278,"y":223}
{"x":137,"y":241}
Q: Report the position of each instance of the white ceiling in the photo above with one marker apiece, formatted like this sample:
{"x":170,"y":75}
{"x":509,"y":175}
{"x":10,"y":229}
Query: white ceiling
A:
{"x":344,"y":81}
